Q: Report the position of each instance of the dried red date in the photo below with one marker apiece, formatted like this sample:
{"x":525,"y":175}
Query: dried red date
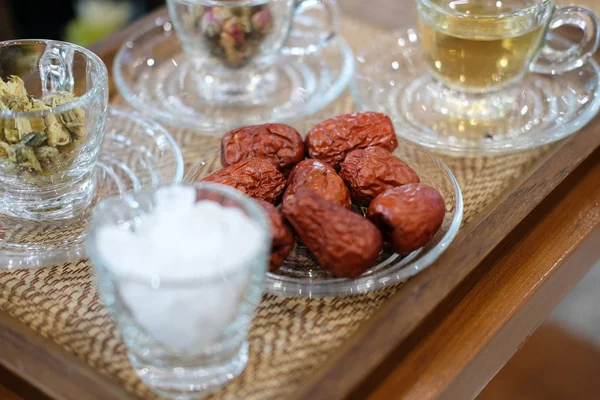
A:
{"x":279,"y":143}
{"x":333,"y":139}
{"x":371,"y":171}
{"x":344,"y":243}
{"x":283,"y":238}
{"x":321,"y":179}
{"x":256,"y":177}
{"x":408,"y":215}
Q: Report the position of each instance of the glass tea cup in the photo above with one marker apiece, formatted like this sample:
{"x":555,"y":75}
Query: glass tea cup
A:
{"x":234,"y":43}
{"x":478,"y":51}
{"x":48,"y":155}
{"x":480,"y":46}
{"x":186,"y":337}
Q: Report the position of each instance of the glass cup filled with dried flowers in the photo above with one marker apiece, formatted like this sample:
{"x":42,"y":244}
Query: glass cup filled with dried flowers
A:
{"x":53,"y":99}
{"x":234,"y":43}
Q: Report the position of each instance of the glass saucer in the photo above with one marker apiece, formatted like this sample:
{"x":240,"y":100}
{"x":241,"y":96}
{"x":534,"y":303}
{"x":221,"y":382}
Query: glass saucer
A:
{"x":153,"y":75}
{"x":541,"y":109}
{"x":135,"y":154}
{"x":302,"y":276}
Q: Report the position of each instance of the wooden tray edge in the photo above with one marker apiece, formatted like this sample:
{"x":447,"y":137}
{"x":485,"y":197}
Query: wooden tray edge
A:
{"x":391,"y":325}
{"x":34,"y":354}
{"x":47,"y":366}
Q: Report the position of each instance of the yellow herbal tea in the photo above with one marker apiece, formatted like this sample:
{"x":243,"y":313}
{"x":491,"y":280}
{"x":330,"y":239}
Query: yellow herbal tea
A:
{"x":477,"y":45}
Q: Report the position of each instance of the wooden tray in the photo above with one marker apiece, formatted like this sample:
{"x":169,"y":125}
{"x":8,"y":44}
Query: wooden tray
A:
{"x":390,"y":333}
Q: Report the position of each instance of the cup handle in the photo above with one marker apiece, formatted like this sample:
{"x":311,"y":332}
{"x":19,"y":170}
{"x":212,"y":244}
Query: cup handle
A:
{"x":307,"y":34}
{"x":56,"y":68}
{"x":556,"y":61}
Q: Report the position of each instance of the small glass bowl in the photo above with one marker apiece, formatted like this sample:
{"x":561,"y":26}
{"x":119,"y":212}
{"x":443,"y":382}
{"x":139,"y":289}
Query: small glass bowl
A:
{"x":301,"y":276}
{"x":168,"y":343}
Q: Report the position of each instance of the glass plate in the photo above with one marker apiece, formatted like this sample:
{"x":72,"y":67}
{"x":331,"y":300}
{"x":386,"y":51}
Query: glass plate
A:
{"x":135,"y":154}
{"x":153,"y":75}
{"x":391,"y":78}
{"x":301,"y":275}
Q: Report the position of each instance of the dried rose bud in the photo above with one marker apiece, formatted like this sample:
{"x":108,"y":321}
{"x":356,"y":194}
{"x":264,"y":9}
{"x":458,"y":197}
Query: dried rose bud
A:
{"x":235,"y":11}
{"x":262,"y":21}
{"x":222,"y":13}
{"x":233,"y":56}
{"x":246,"y":22}
{"x":210,"y":24}
{"x":247,"y":11}
{"x":235,"y":30}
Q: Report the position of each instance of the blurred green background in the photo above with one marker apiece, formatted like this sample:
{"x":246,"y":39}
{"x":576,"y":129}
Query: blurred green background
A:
{"x":79,"y":21}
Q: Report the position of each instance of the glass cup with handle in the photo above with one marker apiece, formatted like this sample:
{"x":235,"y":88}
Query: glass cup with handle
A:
{"x":478,"y":51}
{"x":480,"y":46}
{"x":49,"y":153}
{"x":235,"y":43}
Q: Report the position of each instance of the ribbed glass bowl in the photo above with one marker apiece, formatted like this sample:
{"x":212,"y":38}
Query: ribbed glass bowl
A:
{"x":301,"y":275}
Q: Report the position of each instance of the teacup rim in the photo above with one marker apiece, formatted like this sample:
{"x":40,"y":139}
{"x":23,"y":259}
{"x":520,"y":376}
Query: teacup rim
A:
{"x":79,"y":101}
{"x":525,"y":10}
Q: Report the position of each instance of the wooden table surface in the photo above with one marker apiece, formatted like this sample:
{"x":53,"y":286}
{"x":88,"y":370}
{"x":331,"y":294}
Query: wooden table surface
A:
{"x":486,"y":319}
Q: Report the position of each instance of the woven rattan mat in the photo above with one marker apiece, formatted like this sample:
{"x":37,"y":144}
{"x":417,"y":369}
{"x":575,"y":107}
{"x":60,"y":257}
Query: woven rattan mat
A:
{"x":290,"y":337}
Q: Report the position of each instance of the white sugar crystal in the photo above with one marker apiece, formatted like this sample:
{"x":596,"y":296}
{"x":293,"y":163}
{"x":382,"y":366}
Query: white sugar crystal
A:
{"x":204,"y":247}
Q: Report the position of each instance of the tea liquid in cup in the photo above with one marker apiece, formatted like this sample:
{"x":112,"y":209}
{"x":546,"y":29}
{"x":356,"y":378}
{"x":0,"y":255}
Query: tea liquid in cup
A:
{"x":479,"y":54}
{"x":234,"y":43}
{"x":479,"y":46}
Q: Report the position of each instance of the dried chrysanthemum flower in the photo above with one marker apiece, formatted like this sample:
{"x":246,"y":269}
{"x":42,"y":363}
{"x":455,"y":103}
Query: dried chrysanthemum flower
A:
{"x":35,"y":139}
{"x":30,"y":160}
{"x":16,"y":128}
{"x":36,"y":143}
{"x":16,"y":87}
{"x":48,"y":156}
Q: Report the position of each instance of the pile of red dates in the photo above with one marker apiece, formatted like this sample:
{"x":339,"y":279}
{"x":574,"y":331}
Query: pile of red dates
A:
{"x":350,"y":162}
